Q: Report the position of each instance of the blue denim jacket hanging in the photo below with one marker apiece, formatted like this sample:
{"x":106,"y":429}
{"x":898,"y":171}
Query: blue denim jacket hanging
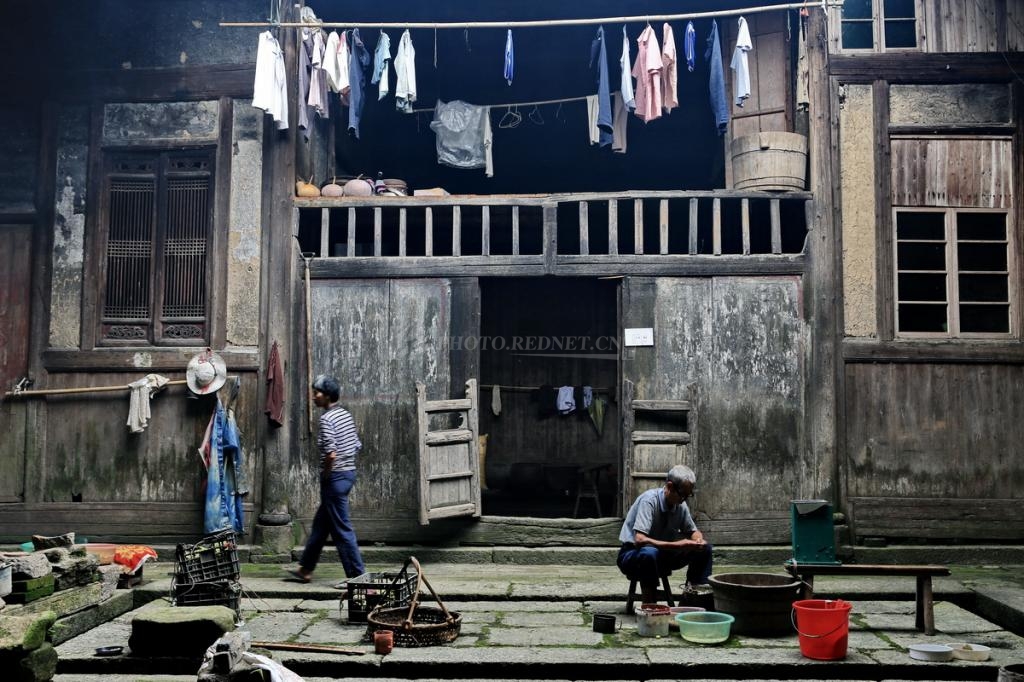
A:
{"x":716,"y":82}
{"x":599,"y":59}
{"x":225,"y":480}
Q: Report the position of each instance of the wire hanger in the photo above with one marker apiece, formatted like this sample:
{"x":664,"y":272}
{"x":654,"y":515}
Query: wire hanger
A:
{"x":535,"y":116}
{"x":511,"y":119}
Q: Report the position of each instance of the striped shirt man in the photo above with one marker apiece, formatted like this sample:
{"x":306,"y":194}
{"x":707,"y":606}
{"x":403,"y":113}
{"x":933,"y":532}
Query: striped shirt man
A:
{"x":338,"y":435}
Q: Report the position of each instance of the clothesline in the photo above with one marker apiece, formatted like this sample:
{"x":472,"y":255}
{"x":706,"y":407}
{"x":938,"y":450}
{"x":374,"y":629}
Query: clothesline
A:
{"x":525,"y":24}
{"x":87,"y":389}
{"x":536,"y":388}
{"x":536,"y":103}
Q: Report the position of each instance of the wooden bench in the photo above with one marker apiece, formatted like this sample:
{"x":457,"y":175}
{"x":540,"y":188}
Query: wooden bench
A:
{"x":924,"y":614}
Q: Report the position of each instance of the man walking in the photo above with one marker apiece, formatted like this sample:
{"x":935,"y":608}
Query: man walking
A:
{"x":338,"y":443}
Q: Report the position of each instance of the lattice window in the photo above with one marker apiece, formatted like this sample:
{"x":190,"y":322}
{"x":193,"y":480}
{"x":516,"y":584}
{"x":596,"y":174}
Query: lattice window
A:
{"x":158,"y":220}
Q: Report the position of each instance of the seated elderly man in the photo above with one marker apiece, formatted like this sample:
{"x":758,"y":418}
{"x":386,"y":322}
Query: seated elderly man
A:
{"x":660,"y":536}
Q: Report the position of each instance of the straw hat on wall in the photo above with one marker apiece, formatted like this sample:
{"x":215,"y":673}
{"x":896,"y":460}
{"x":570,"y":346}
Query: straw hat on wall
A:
{"x":206,"y":373}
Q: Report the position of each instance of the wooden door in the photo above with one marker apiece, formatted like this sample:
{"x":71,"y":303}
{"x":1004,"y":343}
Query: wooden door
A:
{"x":379,"y":337}
{"x":728,"y":359}
{"x":449,"y":454}
{"x":15,"y":285}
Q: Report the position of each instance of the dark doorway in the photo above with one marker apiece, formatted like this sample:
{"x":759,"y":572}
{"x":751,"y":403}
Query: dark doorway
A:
{"x":538,"y":335}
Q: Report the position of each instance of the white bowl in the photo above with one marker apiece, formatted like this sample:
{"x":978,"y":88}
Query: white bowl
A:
{"x":970,"y":652}
{"x":931,"y":652}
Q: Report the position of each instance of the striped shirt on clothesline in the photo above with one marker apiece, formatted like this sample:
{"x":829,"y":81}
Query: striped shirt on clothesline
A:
{"x":338,"y":435}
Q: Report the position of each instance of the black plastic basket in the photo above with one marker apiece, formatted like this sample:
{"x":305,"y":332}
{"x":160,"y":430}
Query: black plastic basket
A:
{"x":217,"y":593}
{"x":370,"y":590}
{"x":215,"y":557}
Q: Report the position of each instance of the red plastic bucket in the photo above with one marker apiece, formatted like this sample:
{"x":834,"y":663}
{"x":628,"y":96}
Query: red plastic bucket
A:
{"x":823,"y":626}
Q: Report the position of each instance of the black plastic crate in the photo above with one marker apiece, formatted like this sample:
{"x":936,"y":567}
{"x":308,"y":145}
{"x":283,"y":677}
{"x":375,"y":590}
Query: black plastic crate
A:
{"x":218,"y":593}
{"x":215,"y":557}
{"x":384,"y":589}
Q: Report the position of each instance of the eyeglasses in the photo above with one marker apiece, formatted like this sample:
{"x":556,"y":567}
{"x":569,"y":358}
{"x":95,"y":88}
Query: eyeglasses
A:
{"x":683,"y":496}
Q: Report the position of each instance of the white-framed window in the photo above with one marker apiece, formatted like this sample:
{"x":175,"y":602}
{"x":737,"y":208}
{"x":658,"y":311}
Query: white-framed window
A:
{"x":954,"y":272}
{"x":878,"y":25}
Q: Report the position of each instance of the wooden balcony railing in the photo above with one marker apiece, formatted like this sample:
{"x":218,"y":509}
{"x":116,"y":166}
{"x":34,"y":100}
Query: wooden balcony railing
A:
{"x":542,"y":234}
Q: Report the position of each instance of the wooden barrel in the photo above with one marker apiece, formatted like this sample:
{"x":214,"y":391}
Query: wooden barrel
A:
{"x":769,"y":161}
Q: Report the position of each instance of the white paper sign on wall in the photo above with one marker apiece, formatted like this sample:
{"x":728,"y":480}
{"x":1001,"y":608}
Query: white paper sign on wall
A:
{"x":642,"y":336}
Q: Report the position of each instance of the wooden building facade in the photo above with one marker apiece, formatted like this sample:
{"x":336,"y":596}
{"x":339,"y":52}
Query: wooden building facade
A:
{"x":858,"y":340}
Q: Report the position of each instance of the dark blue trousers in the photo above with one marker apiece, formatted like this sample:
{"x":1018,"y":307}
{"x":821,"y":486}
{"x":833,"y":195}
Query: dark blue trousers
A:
{"x":332,"y":520}
{"x":647,"y":564}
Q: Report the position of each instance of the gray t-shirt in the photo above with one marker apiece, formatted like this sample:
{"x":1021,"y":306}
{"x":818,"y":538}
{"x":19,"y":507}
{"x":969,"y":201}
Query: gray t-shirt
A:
{"x":652,"y":516}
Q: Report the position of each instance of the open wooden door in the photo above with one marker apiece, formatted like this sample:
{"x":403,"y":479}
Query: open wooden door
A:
{"x":656,"y":437}
{"x":449,"y":455}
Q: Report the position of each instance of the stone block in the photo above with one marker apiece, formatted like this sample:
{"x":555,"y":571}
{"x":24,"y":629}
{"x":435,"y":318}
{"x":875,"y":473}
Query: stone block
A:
{"x":29,"y":590}
{"x":109,"y":577}
{"x":37,"y":665}
{"x":65,"y":602}
{"x":46,"y":542}
{"x":179,"y":631}
{"x":24,"y":633}
{"x":26,"y":565}
{"x":70,"y":571}
{"x":83,"y":621}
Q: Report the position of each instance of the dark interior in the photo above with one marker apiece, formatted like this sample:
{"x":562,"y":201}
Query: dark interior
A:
{"x":549,"y":150}
{"x":536,"y":335}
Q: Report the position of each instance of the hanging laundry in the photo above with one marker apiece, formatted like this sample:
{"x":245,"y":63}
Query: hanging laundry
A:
{"x":668,"y":72}
{"x":275,"y":388}
{"x":138,"y":402}
{"x":318,"y":78}
{"x":358,"y":61}
{"x":343,"y":67}
{"x":647,"y":71}
{"x":588,"y":396}
{"x":381,"y":61}
{"x":599,"y":59}
{"x":305,"y":63}
{"x":565,"y":403}
{"x":688,"y":45}
{"x":496,"y":400}
{"x":222,"y":455}
{"x":740,"y":65}
{"x":462,"y":134}
{"x":626,"y":84}
{"x":331,"y":66}
{"x":596,"y":412}
{"x":593,"y":132}
{"x":620,"y":116}
{"x":488,"y":144}
{"x":510,"y":60}
{"x":716,"y":80}
{"x":405,"y":74}
{"x":270,"y":88}
{"x":803,"y":70}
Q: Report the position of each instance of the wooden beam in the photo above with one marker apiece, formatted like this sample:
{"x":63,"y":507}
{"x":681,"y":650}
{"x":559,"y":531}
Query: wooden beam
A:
{"x":745,"y":224}
{"x":694,"y":214}
{"x":716,"y":226}
{"x":515,"y":230}
{"x":613,"y":227}
{"x":377,"y":228}
{"x":456,"y":230}
{"x":638,"y":226}
{"x":325,"y":232}
{"x":909,"y":67}
{"x":773,"y":206}
{"x":350,"y":248}
{"x":485,"y":228}
{"x":403,"y":227}
{"x":584,"y":223}
{"x":663,"y":226}
{"x":428,"y":237}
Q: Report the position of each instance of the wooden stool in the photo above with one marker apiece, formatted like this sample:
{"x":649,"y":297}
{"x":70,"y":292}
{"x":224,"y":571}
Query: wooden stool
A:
{"x":587,"y":488}
{"x":664,"y":593}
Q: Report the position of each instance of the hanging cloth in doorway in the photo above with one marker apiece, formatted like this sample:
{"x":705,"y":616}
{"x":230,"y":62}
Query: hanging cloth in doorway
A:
{"x":405,"y":74}
{"x":626,"y":79}
{"x":603,"y":118}
{"x":381,"y":61}
{"x":688,"y":46}
{"x":496,"y":400}
{"x":596,"y":412}
{"x":669,"y":77}
{"x":647,"y":71}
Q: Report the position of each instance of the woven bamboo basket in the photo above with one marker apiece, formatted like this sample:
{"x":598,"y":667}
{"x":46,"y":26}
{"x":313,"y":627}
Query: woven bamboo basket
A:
{"x":416,"y":625}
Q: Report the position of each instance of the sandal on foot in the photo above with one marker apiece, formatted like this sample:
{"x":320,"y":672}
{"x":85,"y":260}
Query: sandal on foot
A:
{"x":297,"y":576}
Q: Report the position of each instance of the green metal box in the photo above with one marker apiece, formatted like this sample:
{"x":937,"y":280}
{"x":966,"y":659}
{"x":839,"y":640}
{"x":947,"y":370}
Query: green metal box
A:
{"x":813,"y":532}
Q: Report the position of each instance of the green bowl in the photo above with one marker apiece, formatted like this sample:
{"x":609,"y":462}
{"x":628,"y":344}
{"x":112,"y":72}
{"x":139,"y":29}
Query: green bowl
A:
{"x":704,"y":627}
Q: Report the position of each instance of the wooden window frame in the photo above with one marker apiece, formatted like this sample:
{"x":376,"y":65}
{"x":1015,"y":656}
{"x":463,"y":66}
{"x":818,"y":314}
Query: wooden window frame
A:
{"x":91,"y":352}
{"x":952,"y":272}
{"x":161,"y":174}
{"x":878,"y":29}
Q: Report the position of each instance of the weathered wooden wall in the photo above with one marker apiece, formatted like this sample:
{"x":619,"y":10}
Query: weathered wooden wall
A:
{"x":742,"y":342}
{"x":15,"y":286}
{"x":378,"y":337}
{"x":936,"y":433}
